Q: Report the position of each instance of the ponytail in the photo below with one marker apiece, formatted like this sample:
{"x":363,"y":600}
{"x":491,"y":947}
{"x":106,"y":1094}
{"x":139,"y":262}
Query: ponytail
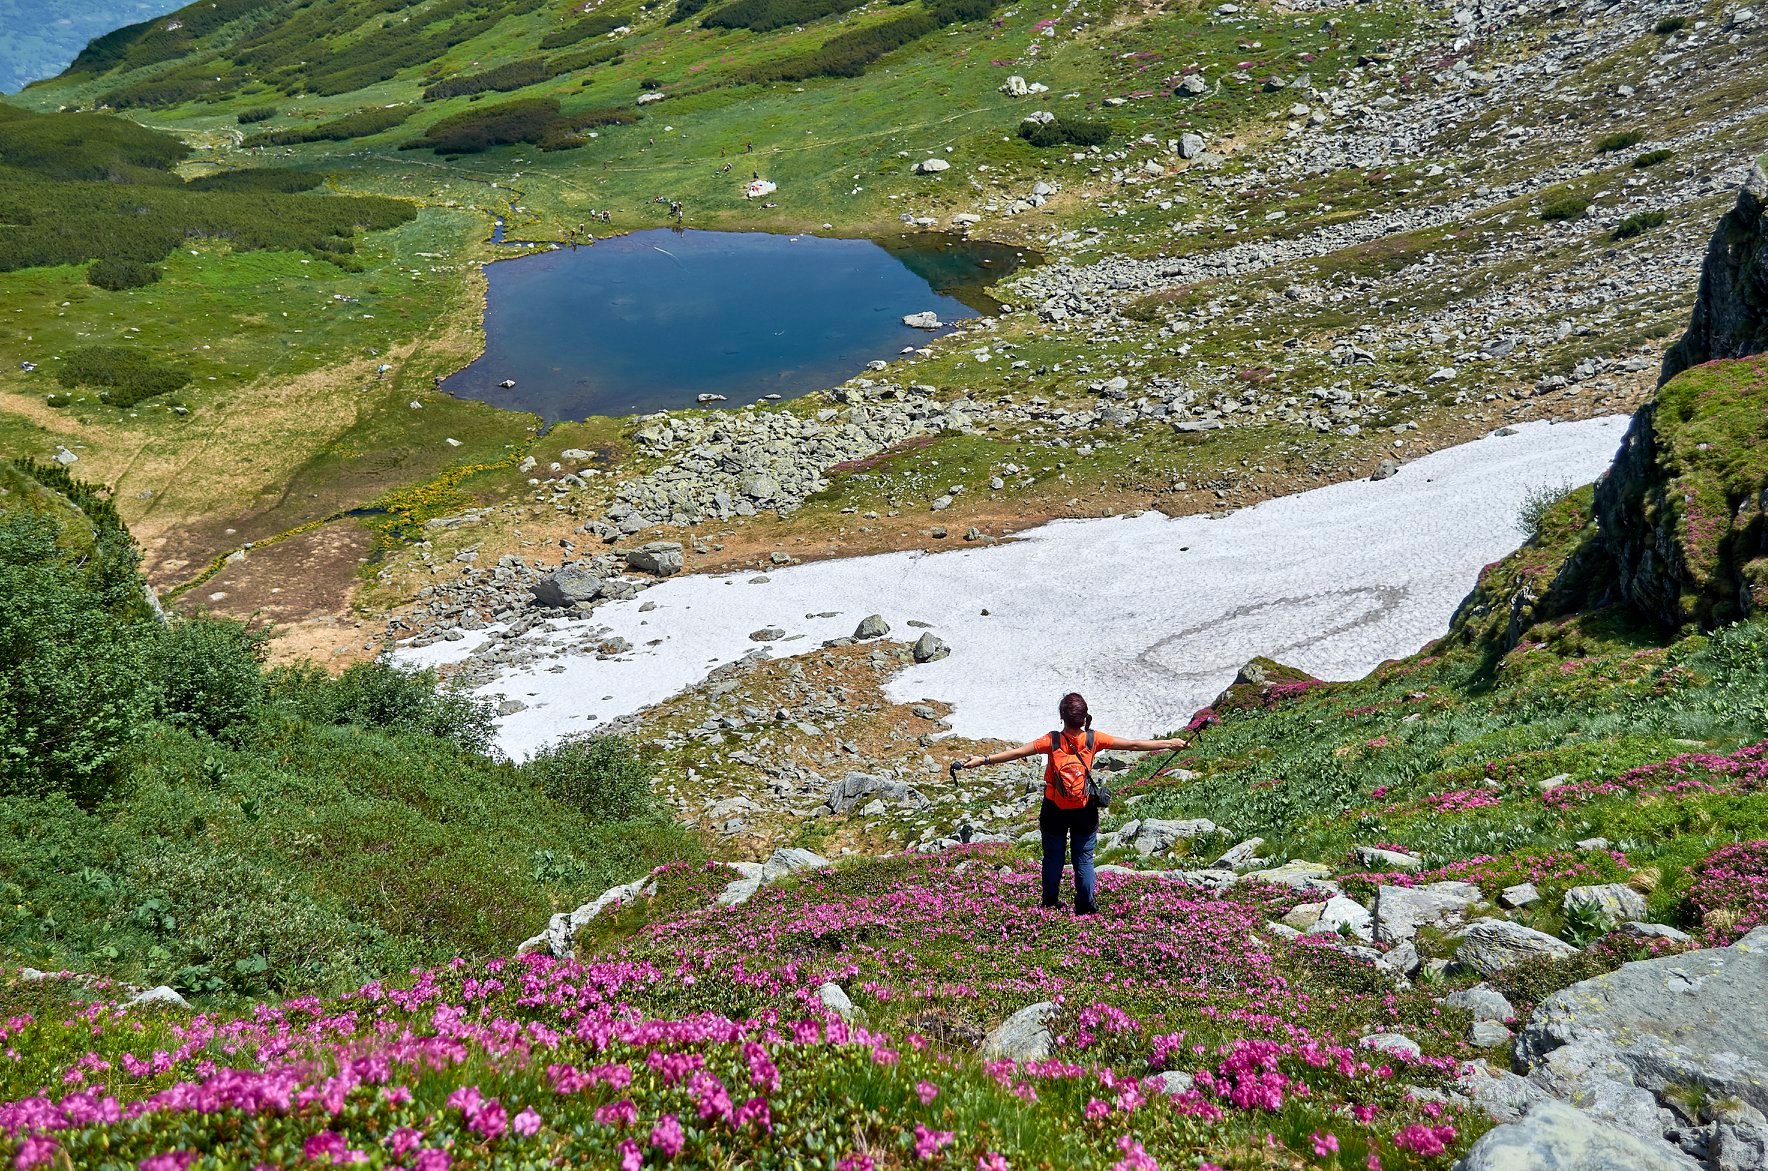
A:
{"x":1073,"y":710}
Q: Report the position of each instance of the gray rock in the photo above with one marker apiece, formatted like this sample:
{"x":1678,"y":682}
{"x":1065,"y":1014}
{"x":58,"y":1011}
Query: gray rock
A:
{"x":1401,"y":910}
{"x":1385,"y":470}
{"x":1397,"y":1044}
{"x":1487,"y":1034}
{"x":1155,"y":836}
{"x":1502,"y":1095}
{"x":931,"y":166}
{"x":790,"y":860}
{"x":1740,"y":1138}
{"x":924,"y":320}
{"x":855,"y":789}
{"x":930,"y":648}
{"x":1610,"y":902}
{"x":836,"y":1001}
{"x":660,"y":558}
{"x":1341,"y":914}
{"x":1402,"y":960}
{"x":1642,"y":930}
{"x":767,"y":634}
{"x":1488,"y":946}
{"x":1658,"y":1026}
{"x":872,"y":626}
{"x":1297,"y":875}
{"x":1485,"y":1003}
{"x":566,"y":586}
{"x":1523,"y":894}
{"x":1191,"y":145}
{"x":1192,"y":85}
{"x":1374,"y":856}
{"x":561,"y":931}
{"x":1557,"y":1137}
{"x":162,"y":995}
{"x":1024,"y":1036}
{"x":1172,"y":1081}
{"x":1244,"y":854}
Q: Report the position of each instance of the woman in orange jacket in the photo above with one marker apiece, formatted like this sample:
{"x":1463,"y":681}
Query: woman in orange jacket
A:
{"x":1068,"y":820}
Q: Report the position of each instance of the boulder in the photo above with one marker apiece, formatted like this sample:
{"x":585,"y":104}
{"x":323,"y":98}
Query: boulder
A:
{"x":162,"y":995}
{"x":566,"y":586}
{"x":930,"y":648}
{"x":790,"y":860}
{"x":1154,"y":836}
{"x":1523,"y":894}
{"x":560,"y":935}
{"x":1341,"y":914}
{"x":835,"y":1000}
{"x":924,"y":320}
{"x":1192,"y":85}
{"x":1621,"y":1042}
{"x":1609,"y":903}
{"x":1173,"y":1081}
{"x":1730,"y":318}
{"x":1298,"y":875}
{"x":1191,"y":145}
{"x":1485,"y":1003}
{"x":1244,"y":854}
{"x":660,"y":558}
{"x":1502,"y":1095}
{"x":1376,"y":856}
{"x":872,"y":626}
{"x":1401,"y":910}
{"x":1024,"y":1036}
{"x":1015,"y":87}
{"x":1397,"y":1044}
{"x":931,"y":166}
{"x":1488,"y":946}
{"x":1557,"y":1137}
{"x":856,"y":789}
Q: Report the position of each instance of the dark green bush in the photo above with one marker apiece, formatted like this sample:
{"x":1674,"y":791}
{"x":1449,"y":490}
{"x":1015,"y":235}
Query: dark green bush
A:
{"x":1652,"y":158}
{"x":58,"y":400}
{"x":602,"y":776}
{"x":1640,"y":223}
{"x":530,"y":120}
{"x":116,"y":273}
{"x":598,"y":25}
{"x":125,"y":376}
{"x":359,"y":124}
{"x":513,"y":75}
{"x":208,"y":674}
{"x":255,"y":114}
{"x":849,"y":54}
{"x":378,"y":695}
{"x":1619,"y":140}
{"x":1062,"y":131}
{"x":263,"y":180}
{"x":686,"y":10}
{"x":86,"y":146}
{"x":72,"y":654}
{"x":1671,"y":24}
{"x":766,"y":15}
{"x":1564,"y":205}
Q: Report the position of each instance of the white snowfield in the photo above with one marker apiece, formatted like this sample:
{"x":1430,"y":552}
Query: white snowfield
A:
{"x":1147,"y":616}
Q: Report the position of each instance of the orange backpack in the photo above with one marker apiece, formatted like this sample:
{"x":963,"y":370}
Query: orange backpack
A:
{"x":1070,"y":783}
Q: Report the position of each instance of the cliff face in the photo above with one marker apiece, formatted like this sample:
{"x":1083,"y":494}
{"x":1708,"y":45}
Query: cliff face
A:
{"x":1730,"y":318}
{"x":1680,"y":514}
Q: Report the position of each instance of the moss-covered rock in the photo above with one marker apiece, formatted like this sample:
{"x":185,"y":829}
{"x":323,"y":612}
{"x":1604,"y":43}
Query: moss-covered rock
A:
{"x":1681,"y":512}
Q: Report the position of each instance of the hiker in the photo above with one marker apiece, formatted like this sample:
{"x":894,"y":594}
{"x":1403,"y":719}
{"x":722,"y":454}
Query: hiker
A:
{"x":1070,"y":815}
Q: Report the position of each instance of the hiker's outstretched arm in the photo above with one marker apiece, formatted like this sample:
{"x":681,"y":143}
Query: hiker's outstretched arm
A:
{"x":1019,"y":753}
{"x":1151,"y":745}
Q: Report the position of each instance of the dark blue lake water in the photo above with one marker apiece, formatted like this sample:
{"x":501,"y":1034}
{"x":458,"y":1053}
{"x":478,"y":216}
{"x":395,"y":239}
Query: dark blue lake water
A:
{"x":654,"y":319}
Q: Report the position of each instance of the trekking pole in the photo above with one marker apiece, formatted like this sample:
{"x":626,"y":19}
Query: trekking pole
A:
{"x":1196,"y":733}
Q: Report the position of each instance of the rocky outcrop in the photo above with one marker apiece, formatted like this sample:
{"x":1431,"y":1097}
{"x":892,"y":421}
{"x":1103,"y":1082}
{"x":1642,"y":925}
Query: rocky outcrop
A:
{"x":1730,"y":316}
{"x":1556,"y":1137}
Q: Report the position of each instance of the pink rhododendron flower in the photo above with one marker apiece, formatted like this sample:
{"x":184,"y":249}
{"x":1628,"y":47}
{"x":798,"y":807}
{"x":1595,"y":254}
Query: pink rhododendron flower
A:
{"x":631,"y":1158}
{"x":526,"y":1123}
{"x":929,"y":1143}
{"x":667,"y":1136}
{"x":1135,"y":1158}
{"x":927,"y":1091}
{"x":170,"y":1161}
{"x":405,"y":1140}
{"x":431,"y":1159}
{"x":1325,"y":1144}
{"x":856,"y":1162}
{"x":34,"y":1152}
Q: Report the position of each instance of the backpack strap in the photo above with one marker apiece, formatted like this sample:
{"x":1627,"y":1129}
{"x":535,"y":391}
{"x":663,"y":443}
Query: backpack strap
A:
{"x":1090,"y":748}
{"x":1055,"y":741}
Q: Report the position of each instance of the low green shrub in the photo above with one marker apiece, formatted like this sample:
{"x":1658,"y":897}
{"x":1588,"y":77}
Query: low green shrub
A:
{"x":124,"y":376}
{"x":208,"y":674}
{"x":1671,"y":24}
{"x":255,"y":114}
{"x":598,"y":25}
{"x":1564,"y":205}
{"x":1063,"y":131}
{"x":512,"y":75}
{"x":1640,"y":223}
{"x":117,"y":273}
{"x":1618,"y":141}
{"x":603,"y":776}
{"x":379,"y":695}
{"x":1652,"y":158}
{"x":359,"y":124}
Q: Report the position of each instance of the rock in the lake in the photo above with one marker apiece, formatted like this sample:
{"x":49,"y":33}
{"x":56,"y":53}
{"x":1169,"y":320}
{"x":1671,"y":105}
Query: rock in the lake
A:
{"x":1488,"y":946}
{"x":1556,"y":1137}
{"x":923,"y":320}
{"x":567,"y":585}
{"x":1024,"y":1036}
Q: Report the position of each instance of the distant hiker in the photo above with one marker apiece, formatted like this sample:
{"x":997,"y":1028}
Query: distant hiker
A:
{"x":1069,"y":816}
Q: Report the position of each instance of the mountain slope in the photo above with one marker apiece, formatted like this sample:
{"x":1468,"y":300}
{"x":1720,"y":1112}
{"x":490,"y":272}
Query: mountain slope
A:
{"x":43,"y":36}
